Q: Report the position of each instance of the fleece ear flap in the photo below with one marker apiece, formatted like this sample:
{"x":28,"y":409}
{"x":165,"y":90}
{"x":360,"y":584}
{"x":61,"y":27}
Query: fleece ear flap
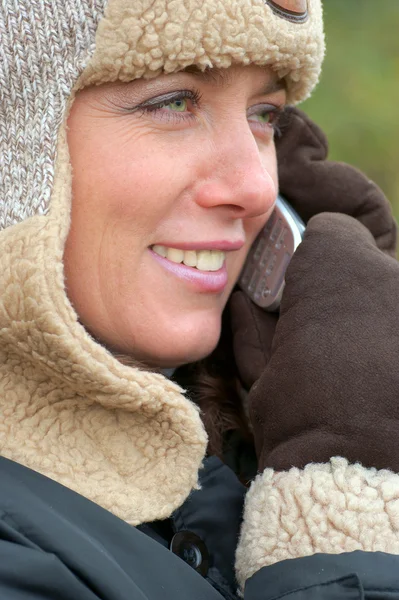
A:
{"x":54,"y":377}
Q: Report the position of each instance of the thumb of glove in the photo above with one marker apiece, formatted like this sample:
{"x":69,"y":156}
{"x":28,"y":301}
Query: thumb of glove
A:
{"x":252,"y":331}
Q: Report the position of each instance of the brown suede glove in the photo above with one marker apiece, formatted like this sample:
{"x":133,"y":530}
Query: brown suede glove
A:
{"x":331,"y":385}
{"x":312,"y":185}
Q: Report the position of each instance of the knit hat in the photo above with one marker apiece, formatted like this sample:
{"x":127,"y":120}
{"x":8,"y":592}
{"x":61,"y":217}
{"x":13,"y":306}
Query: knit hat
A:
{"x":48,"y":48}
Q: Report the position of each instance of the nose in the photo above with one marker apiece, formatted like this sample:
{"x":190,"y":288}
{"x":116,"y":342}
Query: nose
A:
{"x":241,"y":174}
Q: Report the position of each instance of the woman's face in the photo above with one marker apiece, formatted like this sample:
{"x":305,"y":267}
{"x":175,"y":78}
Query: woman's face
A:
{"x":172,"y":180}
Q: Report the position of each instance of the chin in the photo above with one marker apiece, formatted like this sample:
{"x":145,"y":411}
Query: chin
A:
{"x":182,"y":354}
{"x":176,"y":344}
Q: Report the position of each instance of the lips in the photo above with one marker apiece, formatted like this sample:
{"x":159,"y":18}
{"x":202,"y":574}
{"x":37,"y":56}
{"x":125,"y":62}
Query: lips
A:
{"x":198,"y":280}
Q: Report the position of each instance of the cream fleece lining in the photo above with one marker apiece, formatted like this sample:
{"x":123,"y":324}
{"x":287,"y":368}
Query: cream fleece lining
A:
{"x":147,"y":37}
{"x":329,"y":508}
{"x":124,"y":438}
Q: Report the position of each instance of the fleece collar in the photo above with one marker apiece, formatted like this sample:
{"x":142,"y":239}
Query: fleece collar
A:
{"x":127,"y":439}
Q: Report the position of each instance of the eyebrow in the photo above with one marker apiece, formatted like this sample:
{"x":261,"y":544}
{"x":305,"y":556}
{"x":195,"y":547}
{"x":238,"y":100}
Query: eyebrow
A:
{"x":223,"y":78}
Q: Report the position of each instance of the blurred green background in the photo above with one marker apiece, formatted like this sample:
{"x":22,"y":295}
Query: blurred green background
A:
{"x":357,"y":100}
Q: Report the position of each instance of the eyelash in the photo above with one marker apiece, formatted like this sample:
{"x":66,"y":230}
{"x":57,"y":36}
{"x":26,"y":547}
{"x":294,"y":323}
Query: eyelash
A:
{"x":155,"y":106}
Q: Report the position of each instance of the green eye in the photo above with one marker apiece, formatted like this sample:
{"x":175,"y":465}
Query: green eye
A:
{"x":178,"y":105}
{"x":265,"y":118}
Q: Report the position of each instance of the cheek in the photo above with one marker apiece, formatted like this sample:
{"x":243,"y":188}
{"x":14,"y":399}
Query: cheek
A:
{"x":118,"y":188}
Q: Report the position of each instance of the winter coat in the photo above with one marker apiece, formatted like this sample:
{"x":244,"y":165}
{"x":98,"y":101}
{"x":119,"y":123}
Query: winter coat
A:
{"x":56,"y":544}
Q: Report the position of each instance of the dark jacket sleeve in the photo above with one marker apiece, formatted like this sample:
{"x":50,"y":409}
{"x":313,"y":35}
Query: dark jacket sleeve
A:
{"x":31,"y":574}
{"x":349,"y":576}
{"x":57,"y":545}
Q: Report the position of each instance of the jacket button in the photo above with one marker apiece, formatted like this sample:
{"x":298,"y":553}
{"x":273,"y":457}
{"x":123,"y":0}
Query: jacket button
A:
{"x":190,"y":548}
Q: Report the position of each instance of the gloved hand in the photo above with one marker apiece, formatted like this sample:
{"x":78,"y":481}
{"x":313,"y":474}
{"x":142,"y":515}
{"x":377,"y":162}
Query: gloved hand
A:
{"x":312,"y":185}
{"x":331,"y":384}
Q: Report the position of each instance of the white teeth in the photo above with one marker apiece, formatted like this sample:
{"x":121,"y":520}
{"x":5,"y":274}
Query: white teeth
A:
{"x":190,"y":258}
{"x":161,"y":250}
{"x":208,"y":260}
{"x":218,"y":259}
{"x":175,"y":255}
{"x":203,"y":260}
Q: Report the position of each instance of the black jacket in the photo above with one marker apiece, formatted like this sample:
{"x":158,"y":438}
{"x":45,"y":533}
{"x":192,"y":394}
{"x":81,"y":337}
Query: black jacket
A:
{"x":56,"y":545}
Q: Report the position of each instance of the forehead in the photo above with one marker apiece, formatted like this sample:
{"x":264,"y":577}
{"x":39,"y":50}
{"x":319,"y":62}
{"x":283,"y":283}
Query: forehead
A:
{"x":225,"y":77}
{"x":249,"y":79}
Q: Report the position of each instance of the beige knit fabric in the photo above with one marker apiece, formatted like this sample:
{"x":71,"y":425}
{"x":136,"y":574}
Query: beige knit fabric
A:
{"x":44,"y":47}
{"x":329,"y":508}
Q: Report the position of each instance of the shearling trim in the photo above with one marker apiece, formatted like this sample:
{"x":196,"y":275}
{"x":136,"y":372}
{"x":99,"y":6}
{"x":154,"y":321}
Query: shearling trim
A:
{"x":329,"y":508}
{"x":147,"y":37}
{"x":124,"y":438}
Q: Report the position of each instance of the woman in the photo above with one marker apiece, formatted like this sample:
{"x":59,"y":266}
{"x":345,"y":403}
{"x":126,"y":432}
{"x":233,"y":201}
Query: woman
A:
{"x":138,"y":166}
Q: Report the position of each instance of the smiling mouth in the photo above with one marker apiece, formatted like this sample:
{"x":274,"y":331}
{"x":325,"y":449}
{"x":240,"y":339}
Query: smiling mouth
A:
{"x":203,"y":260}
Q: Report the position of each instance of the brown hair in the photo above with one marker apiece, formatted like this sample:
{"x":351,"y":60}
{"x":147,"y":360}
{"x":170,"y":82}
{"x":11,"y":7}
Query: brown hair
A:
{"x":213,"y":384}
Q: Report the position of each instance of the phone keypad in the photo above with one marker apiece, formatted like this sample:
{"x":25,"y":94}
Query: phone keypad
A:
{"x":257,"y":277}
{"x":262,"y":277}
{"x":280,"y":241}
{"x":261,"y":247}
{"x":265,"y":258}
{"x":277,"y":229}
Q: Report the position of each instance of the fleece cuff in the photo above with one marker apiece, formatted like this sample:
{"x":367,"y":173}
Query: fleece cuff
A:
{"x":325,"y":508}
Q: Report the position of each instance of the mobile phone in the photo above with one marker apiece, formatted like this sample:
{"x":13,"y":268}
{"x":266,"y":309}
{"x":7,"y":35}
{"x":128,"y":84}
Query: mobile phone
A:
{"x":262,"y":277}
